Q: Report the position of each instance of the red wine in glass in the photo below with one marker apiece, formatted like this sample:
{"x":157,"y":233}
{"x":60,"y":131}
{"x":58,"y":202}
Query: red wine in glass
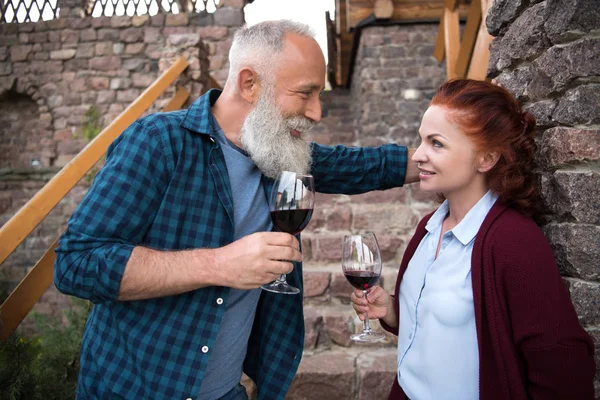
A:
{"x":361,"y":263}
{"x":362,"y":280}
{"x":291,"y":207}
{"x":291,"y":221}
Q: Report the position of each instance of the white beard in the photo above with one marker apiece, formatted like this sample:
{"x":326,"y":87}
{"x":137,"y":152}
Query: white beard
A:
{"x":266,"y":137}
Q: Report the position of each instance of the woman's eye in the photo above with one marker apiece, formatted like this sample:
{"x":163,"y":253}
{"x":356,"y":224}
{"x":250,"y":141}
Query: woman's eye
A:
{"x":435,"y":143}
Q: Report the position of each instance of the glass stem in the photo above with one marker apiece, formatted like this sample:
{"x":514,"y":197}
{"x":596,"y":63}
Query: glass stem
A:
{"x":366,"y":324}
{"x":281,"y":279}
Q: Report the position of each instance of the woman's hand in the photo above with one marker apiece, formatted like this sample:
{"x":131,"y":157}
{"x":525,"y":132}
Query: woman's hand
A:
{"x":377,"y":304}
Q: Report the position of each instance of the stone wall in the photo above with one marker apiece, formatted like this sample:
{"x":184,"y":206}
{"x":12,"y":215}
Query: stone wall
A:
{"x":52,"y":74}
{"x":548,"y":54}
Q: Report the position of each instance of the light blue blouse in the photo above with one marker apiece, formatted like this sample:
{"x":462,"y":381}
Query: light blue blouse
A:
{"x":438,"y":356}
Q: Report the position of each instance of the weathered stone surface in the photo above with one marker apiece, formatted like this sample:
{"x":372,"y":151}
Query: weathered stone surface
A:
{"x":523,"y":40}
{"x":184,"y":40}
{"x":501,"y":14}
{"x":573,"y":195}
{"x":331,"y":375}
{"x":595,"y":334}
{"x":20,"y":52}
{"x":132,"y":35}
{"x":312,"y":325}
{"x":516,"y":81}
{"x":328,"y":248}
{"x":315,"y":282}
{"x":338,"y":324}
{"x":562,"y":145}
{"x":229,"y":16}
{"x":576,"y":248}
{"x":542,"y":110}
{"x":561,"y":65}
{"x":579,"y":106}
{"x":586,"y":299}
{"x":62,"y":54}
{"x":180,"y":19}
{"x":383,"y":218}
{"x":376,"y":372}
{"x":566,"y":20}
{"x":107,"y":63}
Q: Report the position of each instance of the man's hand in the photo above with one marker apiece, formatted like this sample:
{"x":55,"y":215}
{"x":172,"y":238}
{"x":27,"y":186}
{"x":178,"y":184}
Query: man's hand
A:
{"x":255,"y":259}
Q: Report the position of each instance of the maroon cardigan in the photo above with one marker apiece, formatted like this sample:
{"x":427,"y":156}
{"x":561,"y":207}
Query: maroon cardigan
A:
{"x":531,"y":345}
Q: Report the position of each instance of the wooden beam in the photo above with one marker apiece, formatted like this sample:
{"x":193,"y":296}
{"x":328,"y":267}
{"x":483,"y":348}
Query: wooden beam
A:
{"x":451,"y":41}
{"x":468,"y":39}
{"x":438,"y":52}
{"x":178,"y":100}
{"x":383,"y":9}
{"x":481,"y":53}
{"x":35,"y":210}
{"x":358,"y":10}
{"x":20,"y":302}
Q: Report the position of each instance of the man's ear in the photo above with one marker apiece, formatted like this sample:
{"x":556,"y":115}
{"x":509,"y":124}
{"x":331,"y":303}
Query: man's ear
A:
{"x":487,"y":161}
{"x":248,"y":85}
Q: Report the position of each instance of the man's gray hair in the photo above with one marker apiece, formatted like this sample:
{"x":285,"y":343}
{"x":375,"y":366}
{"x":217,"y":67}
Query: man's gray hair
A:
{"x":257,"y":46}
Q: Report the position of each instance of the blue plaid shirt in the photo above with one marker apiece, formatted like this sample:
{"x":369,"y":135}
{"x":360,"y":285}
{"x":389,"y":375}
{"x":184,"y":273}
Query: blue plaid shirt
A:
{"x":165,"y":186}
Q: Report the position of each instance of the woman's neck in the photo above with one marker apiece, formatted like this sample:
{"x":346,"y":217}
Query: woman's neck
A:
{"x":459,"y":204}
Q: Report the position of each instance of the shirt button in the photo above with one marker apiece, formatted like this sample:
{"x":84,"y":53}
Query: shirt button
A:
{"x":410,"y":335}
{"x":205,"y":349}
{"x":219,"y":301}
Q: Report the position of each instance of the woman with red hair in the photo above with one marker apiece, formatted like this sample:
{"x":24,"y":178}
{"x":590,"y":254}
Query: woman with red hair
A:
{"x":479,"y":308}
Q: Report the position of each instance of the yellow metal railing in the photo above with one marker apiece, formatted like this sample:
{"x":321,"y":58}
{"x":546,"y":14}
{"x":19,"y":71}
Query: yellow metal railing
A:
{"x":20,"y":302}
{"x":468,"y":58}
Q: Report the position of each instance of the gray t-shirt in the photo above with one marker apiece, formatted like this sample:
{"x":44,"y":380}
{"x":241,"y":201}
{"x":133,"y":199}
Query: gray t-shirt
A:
{"x":250,"y":215}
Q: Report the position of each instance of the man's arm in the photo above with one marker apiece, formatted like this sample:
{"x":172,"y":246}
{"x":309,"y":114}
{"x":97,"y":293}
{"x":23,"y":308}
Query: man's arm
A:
{"x":244,"y":264}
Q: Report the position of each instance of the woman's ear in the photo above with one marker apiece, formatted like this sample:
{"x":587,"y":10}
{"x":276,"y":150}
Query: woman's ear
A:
{"x":487,"y":161}
{"x":248,"y":85}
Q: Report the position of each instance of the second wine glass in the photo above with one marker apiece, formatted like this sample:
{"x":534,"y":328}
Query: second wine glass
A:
{"x":291,"y":206}
{"x":361,"y":263}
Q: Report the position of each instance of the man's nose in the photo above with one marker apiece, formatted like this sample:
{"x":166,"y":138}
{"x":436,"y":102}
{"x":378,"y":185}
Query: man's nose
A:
{"x":314,"y":110}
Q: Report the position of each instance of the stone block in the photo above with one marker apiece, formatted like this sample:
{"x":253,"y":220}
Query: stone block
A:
{"x":561,"y":65}
{"x":312,"y":325}
{"x":516,"y":81}
{"x":576,"y":248}
{"x":382,"y":218}
{"x":104,"y":49}
{"x":180,"y":19}
{"x":573,"y":195}
{"x":328,"y":249}
{"x":86,"y":50}
{"x":542,"y":110}
{"x":580,"y":105}
{"x":109,"y":35}
{"x":389,"y":246}
{"x":132,"y":35}
{"x":524,"y":39}
{"x":586,"y":299}
{"x":229,"y":17}
{"x":212,"y":32}
{"x":87,"y":35}
{"x":120,"y":21}
{"x":65,"y":54}
{"x":562,"y":145}
{"x":134,"y":64}
{"x":5,"y":69}
{"x":396,"y":195}
{"x":327,"y":375}
{"x":376,"y":373}
{"x":69,"y":36}
{"x":502,"y":13}
{"x":128,"y":96}
{"x":98,"y":83}
{"x":20,"y":52}
{"x":183,"y":40}
{"x":339,"y":324}
{"x":106,"y":63}
{"x":315,"y":282}
{"x":142,"y":80}
{"x":106,"y":96}
{"x":566,"y":20}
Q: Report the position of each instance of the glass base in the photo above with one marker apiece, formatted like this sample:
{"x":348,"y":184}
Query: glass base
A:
{"x":280,"y":287}
{"x":367,"y":336}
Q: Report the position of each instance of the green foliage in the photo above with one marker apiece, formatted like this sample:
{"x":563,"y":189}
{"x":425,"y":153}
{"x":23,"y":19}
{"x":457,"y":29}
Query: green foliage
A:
{"x":90,"y":125}
{"x":44,"y":367}
{"x":90,"y":128}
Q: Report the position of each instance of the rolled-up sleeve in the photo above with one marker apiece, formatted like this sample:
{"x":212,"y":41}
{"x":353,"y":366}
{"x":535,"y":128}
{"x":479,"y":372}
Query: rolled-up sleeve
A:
{"x":354,"y":170}
{"x":113,"y":216}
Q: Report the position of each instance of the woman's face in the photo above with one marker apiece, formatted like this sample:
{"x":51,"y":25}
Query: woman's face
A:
{"x":447,"y":160}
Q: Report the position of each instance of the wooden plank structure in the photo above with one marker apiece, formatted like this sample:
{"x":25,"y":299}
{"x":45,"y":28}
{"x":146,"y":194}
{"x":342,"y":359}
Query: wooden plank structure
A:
{"x":468,"y":57}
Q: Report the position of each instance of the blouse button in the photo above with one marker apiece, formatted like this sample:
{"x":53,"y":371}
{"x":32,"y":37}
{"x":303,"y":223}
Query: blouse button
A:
{"x":219,"y":301}
{"x":205,"y":349}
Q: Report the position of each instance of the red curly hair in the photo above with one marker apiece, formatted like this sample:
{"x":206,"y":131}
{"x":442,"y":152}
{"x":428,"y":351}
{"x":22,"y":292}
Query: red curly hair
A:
{"x":491,"y":117}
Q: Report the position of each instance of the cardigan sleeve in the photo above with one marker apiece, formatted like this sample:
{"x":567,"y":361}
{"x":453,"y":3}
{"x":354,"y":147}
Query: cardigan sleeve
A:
{"x":558,"y":353}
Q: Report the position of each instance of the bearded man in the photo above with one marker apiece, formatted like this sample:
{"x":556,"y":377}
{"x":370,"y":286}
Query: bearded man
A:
{"x":173,"y":240}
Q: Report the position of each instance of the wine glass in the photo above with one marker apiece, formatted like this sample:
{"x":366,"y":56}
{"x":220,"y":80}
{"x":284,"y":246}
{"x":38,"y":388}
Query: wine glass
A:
{"x":291,"y":206}
{"x":361,"y":263}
